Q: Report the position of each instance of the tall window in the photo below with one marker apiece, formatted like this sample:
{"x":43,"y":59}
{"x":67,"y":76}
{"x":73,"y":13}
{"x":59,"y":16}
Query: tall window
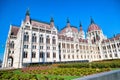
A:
{"x":26,"y":37}
{"x":34,"y":38}
{"x":54,"y":55}
{"x":12,"y":44}
{"x":54,"y":40}
{"x":48,"y":40}
{"x":33,"y":54}
{"x":25,"y":54}
{"x":64,"y":56}
{"x":73,"y":56}
{"x":41,"y":54}
{"x":48,"y":54}
{"x":41,"y":38}
{"x":68,"y":56}
{"x":72,"y":46}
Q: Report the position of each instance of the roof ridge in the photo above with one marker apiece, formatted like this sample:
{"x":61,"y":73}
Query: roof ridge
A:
{"x":41,"y":21}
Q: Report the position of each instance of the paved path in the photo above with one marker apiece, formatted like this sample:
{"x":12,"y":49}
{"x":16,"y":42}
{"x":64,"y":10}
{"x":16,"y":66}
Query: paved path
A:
{"x":111,"y":75}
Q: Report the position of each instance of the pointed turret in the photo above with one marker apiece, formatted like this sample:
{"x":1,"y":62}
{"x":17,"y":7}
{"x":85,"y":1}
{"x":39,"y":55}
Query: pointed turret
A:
{"x":27,"y":12}
{"x":92,"y":21}
{"x":81,"y":27}
{"x":68,"y":22}
{"x":81,"y":32}
{"x":51,"y":22}
{"x":27,"y":15}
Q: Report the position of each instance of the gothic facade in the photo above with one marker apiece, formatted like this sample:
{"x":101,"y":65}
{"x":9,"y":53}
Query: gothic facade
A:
{"x":40,"y":42}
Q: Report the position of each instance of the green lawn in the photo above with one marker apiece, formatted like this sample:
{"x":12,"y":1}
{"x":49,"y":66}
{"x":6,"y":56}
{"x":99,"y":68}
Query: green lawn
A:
{"x":64,"y":71}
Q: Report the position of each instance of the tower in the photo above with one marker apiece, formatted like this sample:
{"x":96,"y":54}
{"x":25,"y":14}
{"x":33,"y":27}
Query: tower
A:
{"x":81,"y":32}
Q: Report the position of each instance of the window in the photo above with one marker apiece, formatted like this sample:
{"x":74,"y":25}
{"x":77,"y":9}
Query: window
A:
{"x":110,"y":55}
{"x":48,"y":47}
{"x":41,"y":47}
{"x":26,"y":37}
{"x":33,"y":54}
{"x":68,"y":45}
{"x":33,"y":46}
{"x":54,"y":40}
{"x":41,"y":54}
{"x":25,"y":54}
{"x":72,"y":46}
{"x":63,"y":45}
{"x":68,"y":56}
{"x":48,"y":40}
{"x":54,"y":55}
{"x":41,"y":39}
{"x":116,"y":55}
{"x":34,"y":38}
{"x":26,"y":46}
{"x":77,"y":57}
{"x":48,"y":55}
{"x":54,"y":48}
{"x":73,"y":56}
{"x":12,"y":44}
{"x":64,"y":56}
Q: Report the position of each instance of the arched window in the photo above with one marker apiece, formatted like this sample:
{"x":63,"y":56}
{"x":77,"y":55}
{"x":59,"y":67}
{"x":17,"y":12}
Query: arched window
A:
{"x":53,"y":40}
{"x":73,"y":56}
{"x":41,"y":38}
{"x":25,"y":54}
{"x":26,"y":37}
{"x":41,"y":54}
{"x":68,"y":56}
{"x":48,"y":40}
{"x":33,"y":54}
{"x":54,"y":55}
{"x":12,"y":44}
{"x":48,"y":54}
{"x":34,"y":38}
{"x":64,"y":56}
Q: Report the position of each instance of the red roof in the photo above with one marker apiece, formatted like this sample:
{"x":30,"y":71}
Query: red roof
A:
{"x":14,"y":30}
{"x":73,"y":30}
{"x":40,"y":24}
{"x":93,"y":27}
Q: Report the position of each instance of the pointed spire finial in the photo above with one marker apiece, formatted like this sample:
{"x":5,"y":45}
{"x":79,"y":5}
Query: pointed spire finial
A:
{"x":92,"y":21}
{"x":28,"y":12}
{"x":68,"y":20}
{"x":80,"y":26}
{"x":52,"y":20}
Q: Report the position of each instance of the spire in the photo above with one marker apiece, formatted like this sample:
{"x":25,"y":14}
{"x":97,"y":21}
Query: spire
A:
{"x":92,"y":21}
{"x":52,"y":20}
{"x":68,"y":20}
{"x":68,"y":23}
{"x":80,"y":26}
{"x":27,"y":15}
{"x":28,"y":12}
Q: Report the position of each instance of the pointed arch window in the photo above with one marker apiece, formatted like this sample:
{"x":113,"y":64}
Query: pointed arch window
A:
{"x":25,"y":54}
{"x":41,"y":39}
{"x":48,"y":40}
{"x":34,"y":38}
{"x":33,"y":54}
{"x":12,"y":44}
{"x":41,"y":54}
{"x":26,"y":37}
{"x":53,"y":40}
{"x":54,"y":55}
{"x":48,"y":54}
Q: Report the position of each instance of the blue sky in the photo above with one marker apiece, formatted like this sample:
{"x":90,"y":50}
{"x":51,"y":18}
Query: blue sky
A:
{"x":106,"y":14}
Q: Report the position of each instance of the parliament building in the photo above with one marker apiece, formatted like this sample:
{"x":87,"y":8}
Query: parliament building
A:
{"x":40,"y":42}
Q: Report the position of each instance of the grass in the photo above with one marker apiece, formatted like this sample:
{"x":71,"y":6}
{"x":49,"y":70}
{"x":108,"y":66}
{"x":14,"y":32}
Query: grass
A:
{"x":62,"y":71}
